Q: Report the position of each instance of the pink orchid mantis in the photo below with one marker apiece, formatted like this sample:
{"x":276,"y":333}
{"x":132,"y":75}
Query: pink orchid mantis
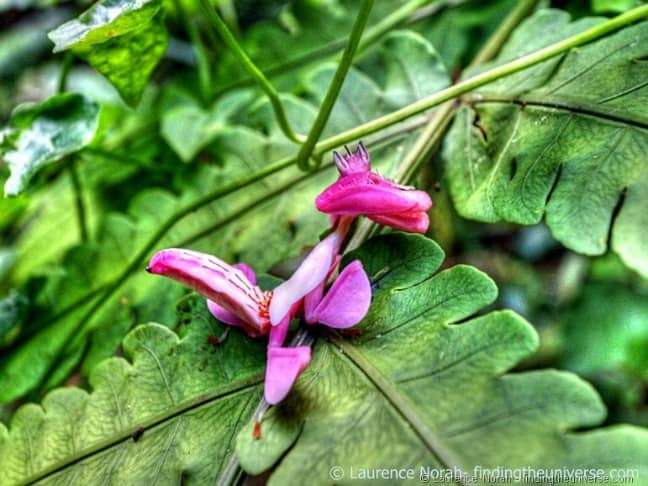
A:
{"x":359,"y":191}
{"x":234,"y":298}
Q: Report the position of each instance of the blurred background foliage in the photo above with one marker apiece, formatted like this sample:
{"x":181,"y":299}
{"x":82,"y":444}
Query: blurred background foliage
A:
{"x":178,"y":142}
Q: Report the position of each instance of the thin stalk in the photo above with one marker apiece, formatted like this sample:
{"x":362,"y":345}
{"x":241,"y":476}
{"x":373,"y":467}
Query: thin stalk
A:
{"x":486,"y":77}
{"x":228,"y":11}
{"x":333,"y":92}
{"x":254,"y":71}
{"x":220,"y":192}
{"x":110,"y":155}
{"x":78,"y":200}
{"x":204,"y":72}
{"x":66,"y":65}
{"x":282,"y":189}
{"x":376,"y":142}
{"x":232,"y":470}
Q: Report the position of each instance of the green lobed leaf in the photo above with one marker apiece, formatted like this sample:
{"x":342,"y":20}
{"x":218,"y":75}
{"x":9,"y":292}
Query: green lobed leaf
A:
{"x":565,"y":139}
{"x":122,"y":39}
{"x":170,"y":411}
{"x":43,"y":133}
{"x":425,"y":385}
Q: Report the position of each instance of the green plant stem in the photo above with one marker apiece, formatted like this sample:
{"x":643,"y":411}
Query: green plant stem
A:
{"x":376,"y":142}
{"x":114,"y":156}
{"x":282,"y":189}
{"x":486,"y":77}
{"x":222,"y":191}
{"x":66,"y":65}
{"x":204,"y":72}
{"x":228,"y":11}
{"x":429,"y":139}
{"x":254,"y":71}
{"x":333,"y":92}
{"x":78,"y":199}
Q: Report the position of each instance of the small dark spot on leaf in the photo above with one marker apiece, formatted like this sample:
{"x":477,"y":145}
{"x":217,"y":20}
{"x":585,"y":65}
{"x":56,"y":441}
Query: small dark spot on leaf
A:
{"x":292,"y":228}
{"x":139,"y":431}
{"x":513,"y":168}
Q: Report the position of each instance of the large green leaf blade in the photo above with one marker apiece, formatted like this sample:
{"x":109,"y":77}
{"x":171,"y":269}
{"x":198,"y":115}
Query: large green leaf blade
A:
{"x":566,"y":139}
{"x":122,"y":39}
{"x":43,"y":133}
{"x":169,"y":412}
{"x":423,"y":387}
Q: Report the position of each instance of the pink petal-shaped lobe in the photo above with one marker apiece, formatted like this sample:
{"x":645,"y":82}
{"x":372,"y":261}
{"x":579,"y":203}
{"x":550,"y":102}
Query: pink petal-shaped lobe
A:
{"x":369,"y":193}
{"x":283,"y":368}
{"x":311,"y":301}
{"x":347,"y":301}
{"x":412,"y":222}
{"x":224,"y":285}
{"x":311,"y":273}
{"x":222,"y":314}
